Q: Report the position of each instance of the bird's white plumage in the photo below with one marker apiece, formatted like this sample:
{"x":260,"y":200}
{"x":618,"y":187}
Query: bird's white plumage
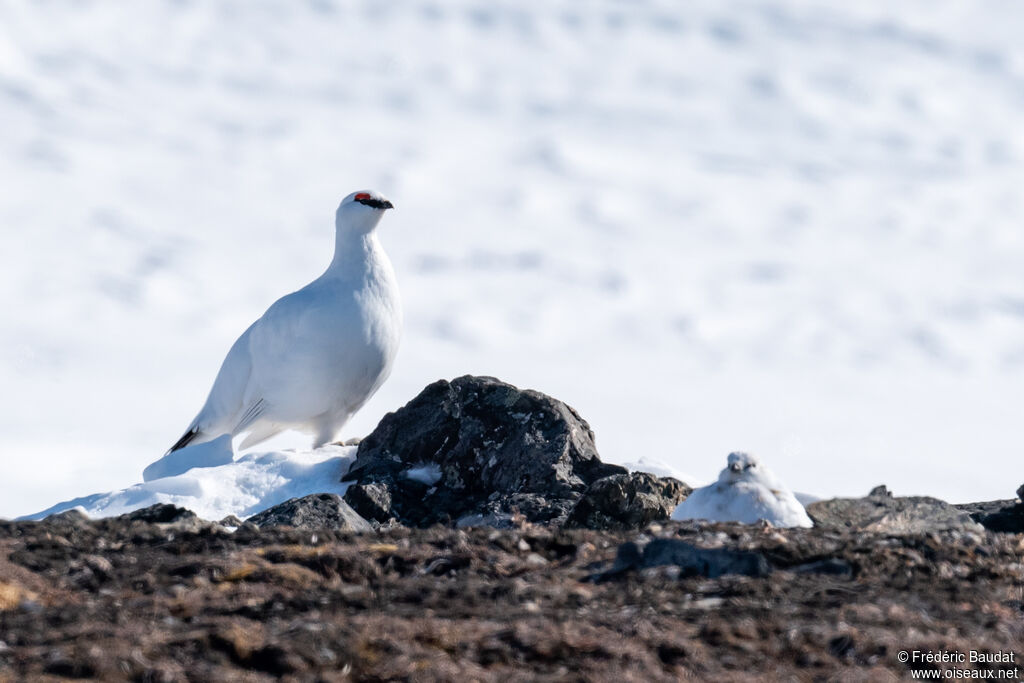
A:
{"x":745,"y":492}
{"x":318,"y":354}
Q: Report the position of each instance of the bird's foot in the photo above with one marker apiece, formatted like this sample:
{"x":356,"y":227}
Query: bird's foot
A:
{"x":354,"y":441}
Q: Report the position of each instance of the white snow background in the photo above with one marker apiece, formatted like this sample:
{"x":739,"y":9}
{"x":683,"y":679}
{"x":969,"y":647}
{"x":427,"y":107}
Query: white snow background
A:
{"x":793,"y":228}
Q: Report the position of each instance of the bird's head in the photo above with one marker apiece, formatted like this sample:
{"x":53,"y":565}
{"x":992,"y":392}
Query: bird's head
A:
{"x":740,"y":466}
{"x":362,"y":210}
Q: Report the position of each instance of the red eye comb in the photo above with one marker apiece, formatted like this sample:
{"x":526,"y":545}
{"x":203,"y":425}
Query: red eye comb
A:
{"x":362,"y":195}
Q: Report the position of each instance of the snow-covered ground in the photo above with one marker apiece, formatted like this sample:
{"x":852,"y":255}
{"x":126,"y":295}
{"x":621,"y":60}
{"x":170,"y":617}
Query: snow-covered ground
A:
{"x":791,"y":228}
{"x":250,"y":484}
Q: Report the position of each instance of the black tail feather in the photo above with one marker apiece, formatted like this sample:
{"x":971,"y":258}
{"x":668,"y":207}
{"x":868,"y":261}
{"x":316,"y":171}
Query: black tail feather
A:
{"x":185,"y":440}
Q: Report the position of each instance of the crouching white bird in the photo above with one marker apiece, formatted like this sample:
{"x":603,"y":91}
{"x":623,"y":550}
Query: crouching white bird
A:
{"x":746,"y":491}
{"x":317,"y":355}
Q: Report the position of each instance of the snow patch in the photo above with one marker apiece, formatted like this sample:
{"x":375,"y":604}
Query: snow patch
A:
{"x":660,"y":469}
{"x":242,"y":488}
{"x":428,"y":474}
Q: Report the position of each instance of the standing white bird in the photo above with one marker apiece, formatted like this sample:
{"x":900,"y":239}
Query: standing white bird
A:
{"x":745,"y":492}
{"x":318,"y":354}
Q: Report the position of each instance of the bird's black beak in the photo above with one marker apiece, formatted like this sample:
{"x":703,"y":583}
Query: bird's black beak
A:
{"x":376,"y":203}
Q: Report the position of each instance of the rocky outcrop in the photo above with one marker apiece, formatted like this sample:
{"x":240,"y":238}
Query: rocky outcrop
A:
{"x":881,"y":512}
{"x":1006,"y":516}
{"x":317,"y":511}
{"x":161,"y":513}
{"x":477,"y":451}
{"x":627,"y":501}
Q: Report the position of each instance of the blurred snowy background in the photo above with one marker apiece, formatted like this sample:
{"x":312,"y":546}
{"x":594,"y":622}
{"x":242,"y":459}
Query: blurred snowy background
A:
{"x":787,"y":227}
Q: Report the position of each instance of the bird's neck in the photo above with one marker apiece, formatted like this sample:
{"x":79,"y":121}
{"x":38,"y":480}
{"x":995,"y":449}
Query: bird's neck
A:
{"x":354,"y":253}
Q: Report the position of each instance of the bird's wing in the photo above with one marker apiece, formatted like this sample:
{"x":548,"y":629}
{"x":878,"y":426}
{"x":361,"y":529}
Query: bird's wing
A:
{"x":279,"y":339}
{"x":252,"y":413}
{"x":255,"y":363}
{"x":753,"y":501}
{"x":790,"y":511}
{"x":260,"y":432}
{"x":698,"y":505}
{"x":227,"y":400}
{"x":778,"y":506}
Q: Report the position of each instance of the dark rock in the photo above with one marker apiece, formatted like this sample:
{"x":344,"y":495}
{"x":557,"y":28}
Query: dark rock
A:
{"x":693,"y":561}
{"x":708,"y":562}
{"x":505,"y":512}
{"x":230,"y":520}
{"x":161,"y":513}
{"x":880,"y":491}
{"x":831,"y":566}
{"x":841,"y":646}
{"x":317,"y":511}
{"x":998,"y":515}
{"x":248,"y":529}
{"x":70,"y":518}
{"x":627,"y":501}
{"x":275,"y":660}
{"x":1020,"y":492}
{"x":487,"y":442}
{"x":880,"y":512}
{"x":371,"y":501}
{"x":64,"y":666}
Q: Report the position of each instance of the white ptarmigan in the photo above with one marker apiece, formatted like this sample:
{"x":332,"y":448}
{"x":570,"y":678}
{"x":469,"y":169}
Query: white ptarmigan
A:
{"x":746,"y":491}
{"x":318,"y":354}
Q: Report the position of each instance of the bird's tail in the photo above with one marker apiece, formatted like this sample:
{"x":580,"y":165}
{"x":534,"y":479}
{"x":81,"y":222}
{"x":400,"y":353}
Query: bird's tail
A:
{"x":186,"y":438}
